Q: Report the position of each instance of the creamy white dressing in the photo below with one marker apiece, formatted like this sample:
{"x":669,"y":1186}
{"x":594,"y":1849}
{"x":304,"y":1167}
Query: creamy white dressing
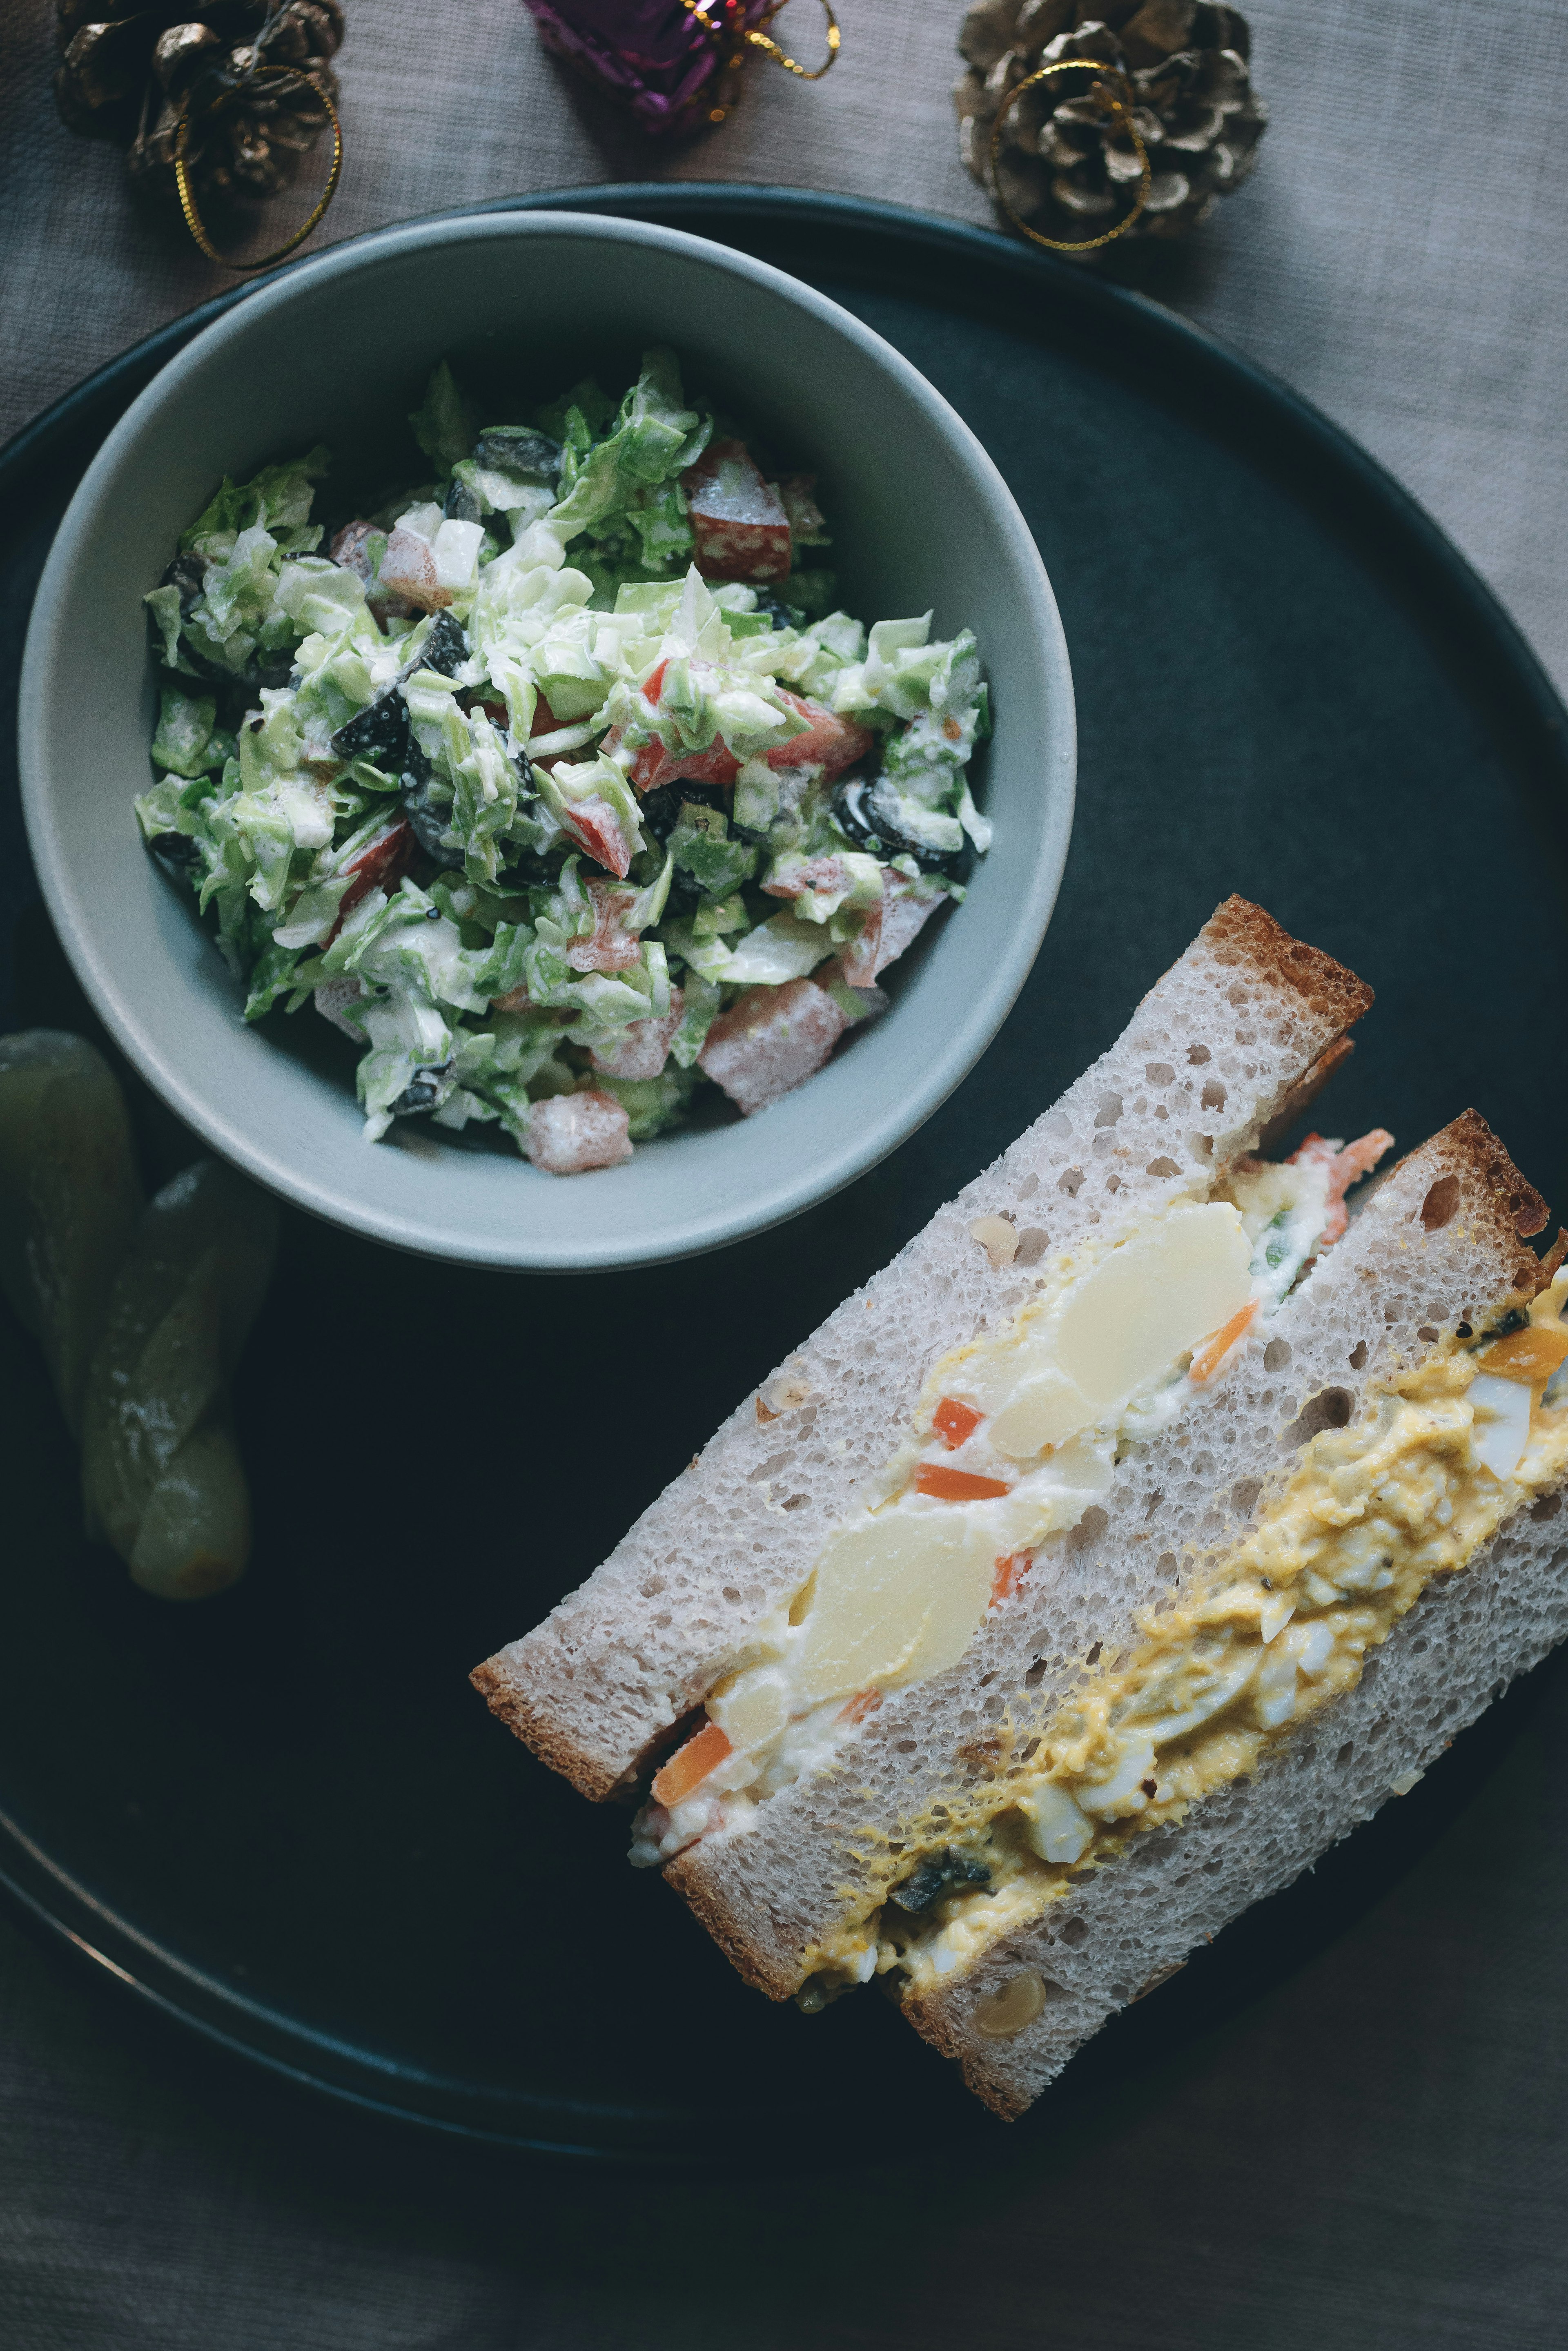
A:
{"x":1101,"y":1356}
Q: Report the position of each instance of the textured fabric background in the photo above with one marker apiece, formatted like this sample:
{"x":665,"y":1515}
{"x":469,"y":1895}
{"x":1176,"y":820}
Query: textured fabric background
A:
{"x":1298,"y":2179}
{"x":1399,"y":256}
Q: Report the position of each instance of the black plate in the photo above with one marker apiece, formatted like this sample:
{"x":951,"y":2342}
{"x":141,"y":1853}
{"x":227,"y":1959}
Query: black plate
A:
{"x":282,"y":1815}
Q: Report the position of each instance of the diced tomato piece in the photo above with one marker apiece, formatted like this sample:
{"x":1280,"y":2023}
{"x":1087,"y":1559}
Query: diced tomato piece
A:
{"x":568,"y":1133}
{"x":955,"y":1421}
{"x":1006,"y":1576}
{"x":1207,"y":1358}
{"x":381,"y":863}
{"x":741,"y":529}
{"x":863,"y":1702}
{"x":593,"y":824}
{"x":643,"y":1047}
{"x":648,"y":765}
{"x":381,"y":859}
{"x":770,"y":1040}
{"x":944,"y":1485}
{"x":645,"y":762}
{"x":892,"y":924}
{"x":691,"y":1764}
{"x":612,"y":946}
{"x":654,"y":765}
{"x":830,"y":741}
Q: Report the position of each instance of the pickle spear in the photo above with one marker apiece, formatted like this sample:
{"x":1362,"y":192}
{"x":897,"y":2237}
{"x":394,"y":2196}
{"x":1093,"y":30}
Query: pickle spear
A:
{"x":162,"y":1478}
{"x":69,"y":1197}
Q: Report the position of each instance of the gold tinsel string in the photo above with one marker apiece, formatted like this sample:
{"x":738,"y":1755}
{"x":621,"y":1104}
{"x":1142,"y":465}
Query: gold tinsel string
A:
{"x":258,"y":76}
{"x":1114,"y":106}
{"x":758,"y":40}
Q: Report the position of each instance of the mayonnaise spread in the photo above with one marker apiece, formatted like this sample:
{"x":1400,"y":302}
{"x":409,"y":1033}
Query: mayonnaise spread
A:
{"x":1014,"y":1437}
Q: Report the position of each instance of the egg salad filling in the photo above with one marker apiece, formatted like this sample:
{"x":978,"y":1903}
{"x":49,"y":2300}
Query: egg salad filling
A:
{"x":1235,"y":1659}
{"x":1015,"y":1435}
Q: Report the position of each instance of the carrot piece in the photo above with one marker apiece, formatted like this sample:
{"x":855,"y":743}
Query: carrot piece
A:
{"x":1530,"y":1356}
{"x":863,"y":1702}
{"x":1359,"y":1159}
{"x":955,"y":1421}
{"x":1345,"y":1167}
{"x":956,"y":1485}
{"x":690,"y":1764}
{"x":1007,"y":1574}
{"x":1207,"y":1358}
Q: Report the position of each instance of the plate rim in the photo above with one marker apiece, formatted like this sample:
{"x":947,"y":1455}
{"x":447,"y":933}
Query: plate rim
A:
{"x":39,"y":1891}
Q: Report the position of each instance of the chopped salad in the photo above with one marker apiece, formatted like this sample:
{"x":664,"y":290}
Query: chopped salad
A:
{"x":557,"y":841}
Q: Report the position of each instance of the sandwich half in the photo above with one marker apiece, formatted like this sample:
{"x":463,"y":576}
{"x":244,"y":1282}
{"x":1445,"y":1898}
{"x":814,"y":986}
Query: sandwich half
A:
{"x":1003,"y":1597}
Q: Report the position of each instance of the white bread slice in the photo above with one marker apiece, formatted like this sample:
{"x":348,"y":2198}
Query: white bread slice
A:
{"x":1220,"y":1046}
{"x":815,"y":1855}
{"x":1129,"y":1925}
{"x":1136,"y":1923}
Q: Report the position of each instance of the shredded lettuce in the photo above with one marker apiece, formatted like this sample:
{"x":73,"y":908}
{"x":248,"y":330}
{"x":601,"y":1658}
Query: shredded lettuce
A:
{"x":278,"y":500}
{"x":592,"y":789}
{"x":442,"y":423}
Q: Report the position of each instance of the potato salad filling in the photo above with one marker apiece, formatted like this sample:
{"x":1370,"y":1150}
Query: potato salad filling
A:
{"x":1014,"y":1437}
{"x":1438,"y":1460}
{"x":561,"y":846}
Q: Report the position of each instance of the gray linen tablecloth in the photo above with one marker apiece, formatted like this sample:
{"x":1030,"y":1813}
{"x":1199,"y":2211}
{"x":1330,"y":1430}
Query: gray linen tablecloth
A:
{"x":1401,"y":255}
{"x":1297,"y":2179}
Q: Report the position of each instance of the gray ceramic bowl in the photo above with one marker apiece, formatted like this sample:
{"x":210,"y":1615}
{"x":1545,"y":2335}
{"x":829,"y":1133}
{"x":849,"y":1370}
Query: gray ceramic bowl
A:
{"x":339,"y":350}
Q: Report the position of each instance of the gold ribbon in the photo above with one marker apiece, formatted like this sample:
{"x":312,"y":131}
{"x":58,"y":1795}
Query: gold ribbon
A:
{"x":1114,"y":106}
{"x":758,"y":40}
{"x":182,"y":177}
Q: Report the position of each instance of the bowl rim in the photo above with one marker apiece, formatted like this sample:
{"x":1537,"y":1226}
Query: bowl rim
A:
{"x":827,"y":1170}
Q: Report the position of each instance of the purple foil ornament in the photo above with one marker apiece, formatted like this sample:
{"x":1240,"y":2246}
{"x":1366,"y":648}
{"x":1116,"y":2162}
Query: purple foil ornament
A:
{"x":655,"y":56}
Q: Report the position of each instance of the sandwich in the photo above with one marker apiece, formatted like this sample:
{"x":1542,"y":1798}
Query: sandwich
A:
{"x":1164,"y":1507}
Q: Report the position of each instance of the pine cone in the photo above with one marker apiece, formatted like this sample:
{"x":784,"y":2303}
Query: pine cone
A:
{"x":131,"y":68}
{"x":1069,"y":167}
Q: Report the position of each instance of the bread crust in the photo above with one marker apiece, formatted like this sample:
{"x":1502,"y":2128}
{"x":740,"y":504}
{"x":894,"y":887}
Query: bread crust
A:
{"x":734,"y":1932}
{"x":1302,"y":1096}
{"x":1507,"y":1205}
{"x":1240,"y":933}
{"x":513,"y":1698}
{"x":1549,"y":1264}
